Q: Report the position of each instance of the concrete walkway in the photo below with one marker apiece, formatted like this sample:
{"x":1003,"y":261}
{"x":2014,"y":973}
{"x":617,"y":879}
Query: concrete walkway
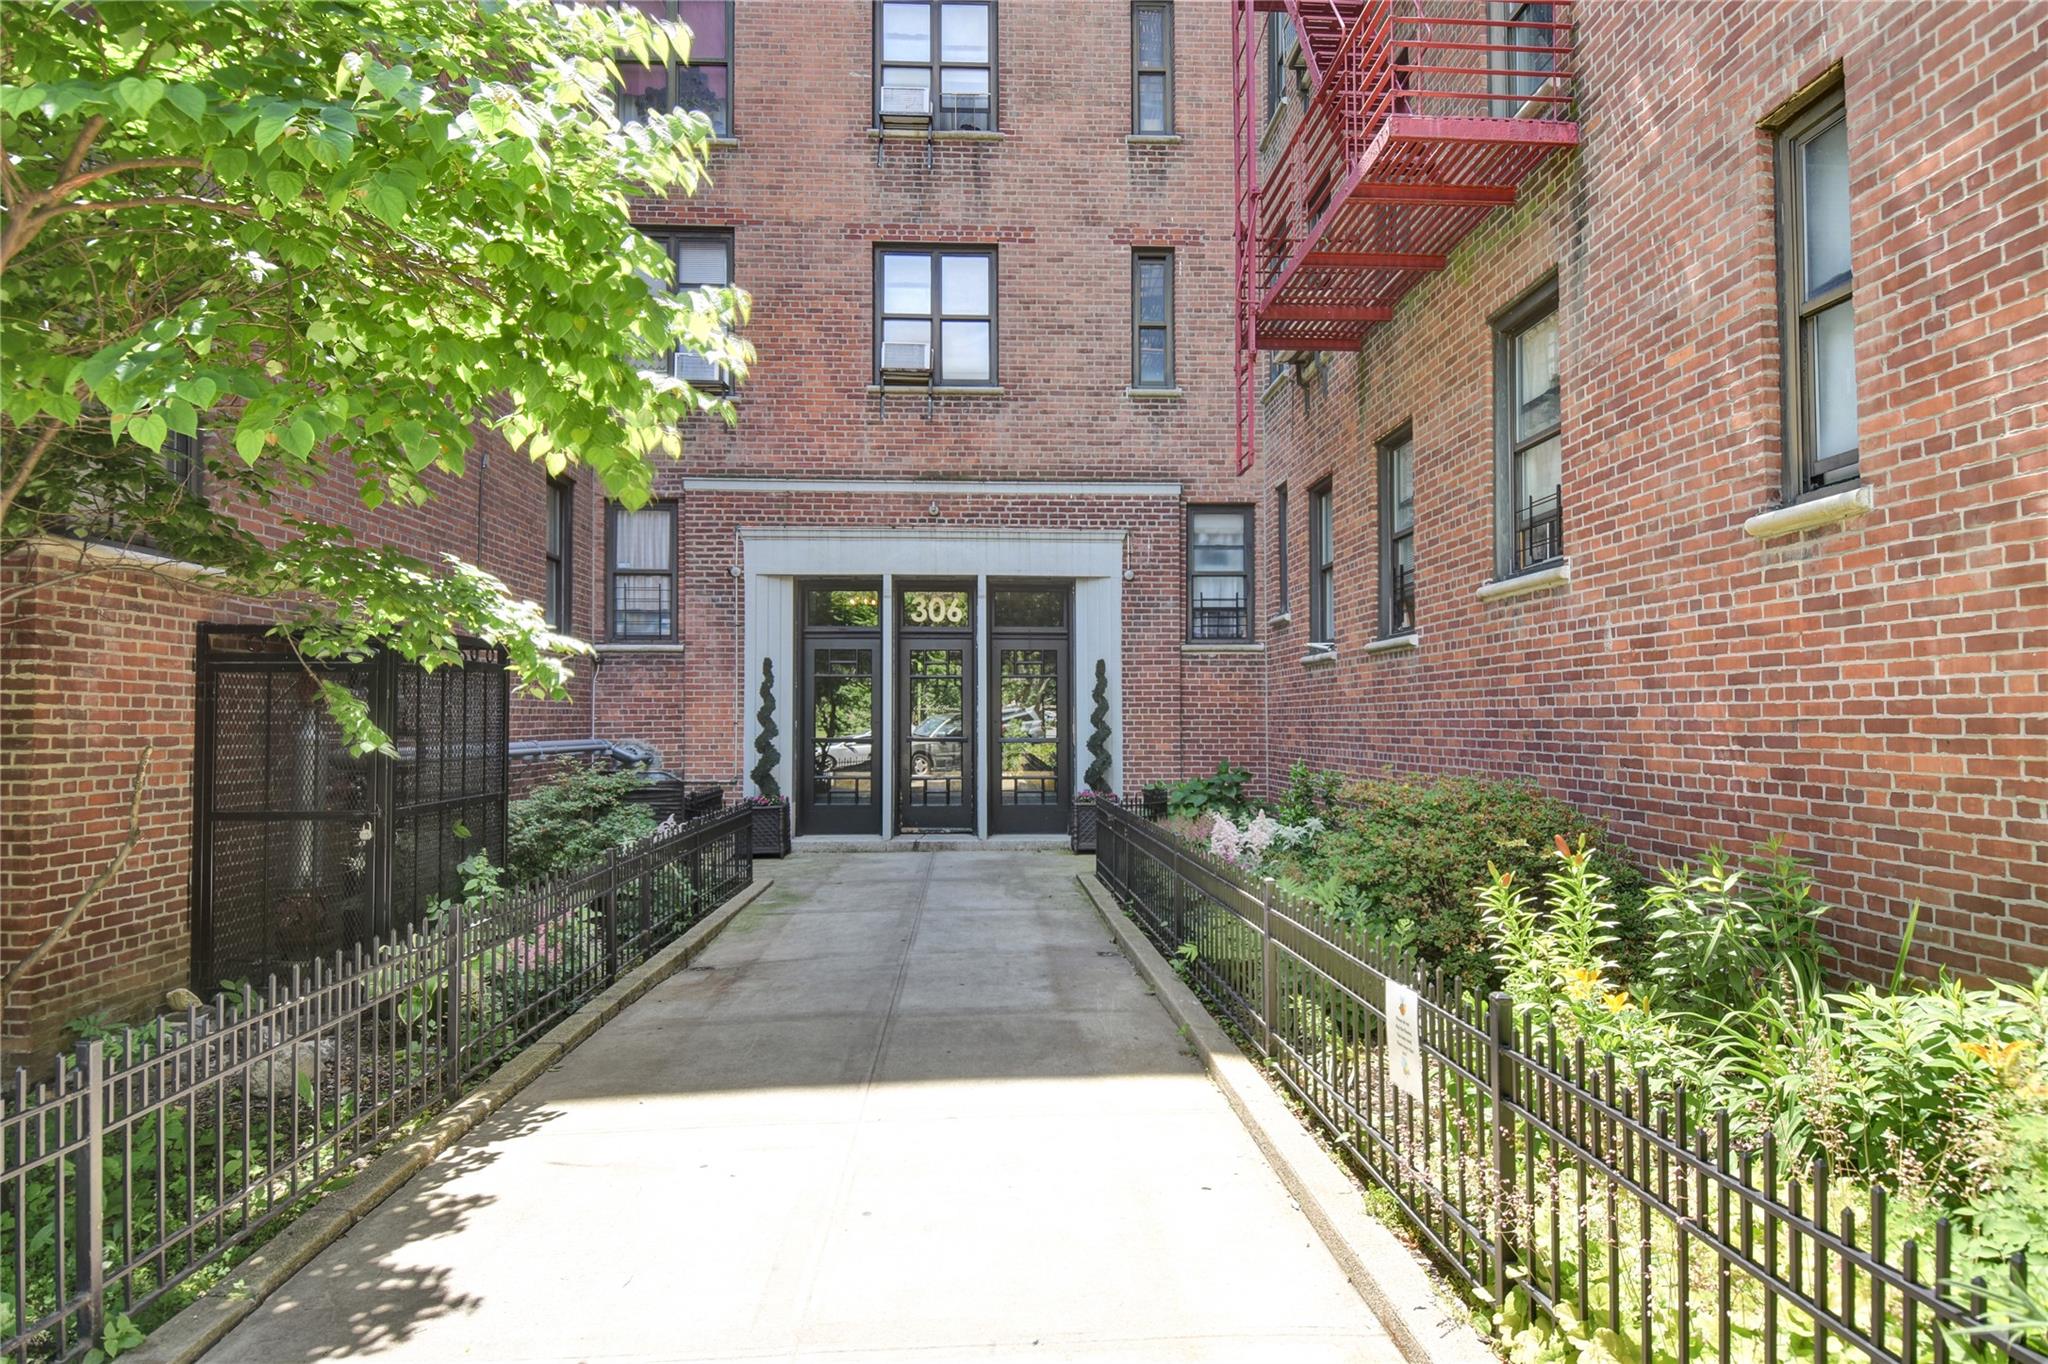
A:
{"x":906,"y":1107}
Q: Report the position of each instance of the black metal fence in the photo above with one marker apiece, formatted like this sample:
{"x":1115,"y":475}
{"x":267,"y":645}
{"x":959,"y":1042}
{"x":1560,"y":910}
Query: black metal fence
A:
{"x":150,"y":1156}
{"x":302,"y":847}
{"x":1624,"y":1214}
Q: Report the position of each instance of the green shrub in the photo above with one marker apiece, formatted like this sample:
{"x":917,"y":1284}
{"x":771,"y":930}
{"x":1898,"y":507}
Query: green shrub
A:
{"x":1728,"y":933}
{"x":1222,"y":793}
{"x":572,"y":821}
{"x":1404,"y":859}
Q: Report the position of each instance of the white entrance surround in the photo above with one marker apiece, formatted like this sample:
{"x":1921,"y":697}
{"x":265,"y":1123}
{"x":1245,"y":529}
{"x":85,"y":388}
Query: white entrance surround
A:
{"x":773,"y":559}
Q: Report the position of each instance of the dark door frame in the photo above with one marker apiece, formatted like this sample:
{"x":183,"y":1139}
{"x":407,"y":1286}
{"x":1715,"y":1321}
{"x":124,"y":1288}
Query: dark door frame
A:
{"x":836,"y":819}
{"x":966,"y":638}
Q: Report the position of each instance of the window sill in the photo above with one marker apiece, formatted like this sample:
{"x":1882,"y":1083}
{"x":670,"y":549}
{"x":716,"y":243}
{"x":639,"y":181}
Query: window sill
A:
{"x":1275,"y":118}
{"x":1284,"y":618}
{"x":1153,"y":140}
{"x":900,"y":134}
{"x":939,"y":390}
{"x":112,"y":557}
{"x":1814,"y":512}
{"x":1319,"y":656}
{"x":1395,"y":644}
{"x":1154,"y":395}
{"x":630,"y":649}
{"x":1203,"y":646}
{"x":725,"y":142}
{"x":1273,"y":387}
{"x":1542,"y":579}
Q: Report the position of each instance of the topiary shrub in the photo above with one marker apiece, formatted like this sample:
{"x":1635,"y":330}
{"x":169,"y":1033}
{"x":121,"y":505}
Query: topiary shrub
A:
{"x":571,"y":822}
{"x":1097,"y":776}
{"x":763,"y":774}
{"x":1404,"y":858}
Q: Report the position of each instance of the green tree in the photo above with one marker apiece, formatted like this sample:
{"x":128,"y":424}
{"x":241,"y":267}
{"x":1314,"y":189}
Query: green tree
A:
{"x":764,"y":742}
{"x":1097,"y":775}
{"x":339,"y":235}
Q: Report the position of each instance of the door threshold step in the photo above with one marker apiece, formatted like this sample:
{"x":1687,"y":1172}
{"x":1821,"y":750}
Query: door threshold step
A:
{"x":841,"y":843}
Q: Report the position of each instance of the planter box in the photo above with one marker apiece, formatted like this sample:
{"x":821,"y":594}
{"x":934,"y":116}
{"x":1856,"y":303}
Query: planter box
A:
{"x":1155,"y":802}
{"x":771,"y":829}
{"x":1081,"y":827}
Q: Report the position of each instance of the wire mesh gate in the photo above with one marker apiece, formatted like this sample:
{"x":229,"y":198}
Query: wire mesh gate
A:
{"x":302,"y":848}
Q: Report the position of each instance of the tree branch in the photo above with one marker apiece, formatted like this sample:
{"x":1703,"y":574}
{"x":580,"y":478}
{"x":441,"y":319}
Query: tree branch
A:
{"x":92,"y":892}
{"x":78,"y":182}
{"x":44,"y":440}
{"x":25,"y":231}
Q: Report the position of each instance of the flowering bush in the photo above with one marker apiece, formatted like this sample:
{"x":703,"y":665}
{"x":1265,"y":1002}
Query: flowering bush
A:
{"x":1246,"y":846}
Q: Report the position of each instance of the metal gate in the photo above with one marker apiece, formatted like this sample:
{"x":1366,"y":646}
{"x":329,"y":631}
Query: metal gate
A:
{"x":301,"y":849}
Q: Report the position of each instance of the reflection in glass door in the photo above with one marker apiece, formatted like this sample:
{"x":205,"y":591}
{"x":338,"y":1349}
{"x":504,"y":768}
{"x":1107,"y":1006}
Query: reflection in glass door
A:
{"x":936,"y":773}
{"x":839,"y":788}
{"x":1028,"y":732}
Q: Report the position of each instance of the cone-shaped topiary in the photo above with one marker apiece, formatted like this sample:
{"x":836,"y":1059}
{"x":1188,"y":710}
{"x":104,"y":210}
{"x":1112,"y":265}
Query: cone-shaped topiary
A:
{"x":764,"y":742}
{"x":1098,"y":737}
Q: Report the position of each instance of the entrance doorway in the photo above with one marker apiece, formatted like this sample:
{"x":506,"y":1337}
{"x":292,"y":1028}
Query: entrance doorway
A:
{"x":1029,"y":671}
{"x":935,"y":750}
{"x":841,"y":653}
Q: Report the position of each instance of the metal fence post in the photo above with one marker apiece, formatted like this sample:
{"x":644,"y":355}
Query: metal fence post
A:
{"x":1500,"y":1014}
{"x":451,"y":1026}
{"x":1267,"y":994}
{"x":92,"y":1194}
{"x":608,"y":916}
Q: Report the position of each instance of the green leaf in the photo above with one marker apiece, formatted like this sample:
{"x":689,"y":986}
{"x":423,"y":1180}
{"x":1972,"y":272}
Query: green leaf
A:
{"x":148,"y":431}
{"x":188,"y":100}
{"x":271,"y":123}
{"x":229,"y":164}
{"x":322,"y":331}
{"x":138,"y":95}
{"x":180,"y":417}
{"x":298,"y":437}
{"x":387,"y":201}
{"x":250,"y":439}
{"x":286,"y":185}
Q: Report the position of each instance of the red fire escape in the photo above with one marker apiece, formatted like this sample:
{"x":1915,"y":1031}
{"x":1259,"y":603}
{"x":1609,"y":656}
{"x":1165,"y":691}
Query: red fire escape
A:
{"x":1423,"y":117}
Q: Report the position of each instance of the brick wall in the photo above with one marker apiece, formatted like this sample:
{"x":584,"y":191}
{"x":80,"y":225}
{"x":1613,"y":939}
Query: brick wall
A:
{"x":1873,"y":692}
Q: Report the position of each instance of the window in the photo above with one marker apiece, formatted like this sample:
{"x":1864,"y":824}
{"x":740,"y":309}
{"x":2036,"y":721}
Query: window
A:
{"x":1397,"y":534}
{"x":1280,"y":540}
{"x":1523,"y":24}
{"x":703,"y":84}
{"x":643,"y":572}
{"x":1817,"y":280}
{"x":938,"y":293}
{"x":1284,"y":62}
{"x":957,"y":72}
{"x":1152,"y":319}
{"x":561,"y":522}
{"x":1152,"y":68}
{"x":1219,"y":573}
{"x":697,"y":260}
{"x":1528,"y":468}
{"x":1322,"y":566}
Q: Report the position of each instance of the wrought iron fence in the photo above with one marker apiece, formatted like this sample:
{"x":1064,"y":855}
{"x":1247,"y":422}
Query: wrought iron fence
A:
{"x":1625,"y":1214}
{"x":150,"y":1156}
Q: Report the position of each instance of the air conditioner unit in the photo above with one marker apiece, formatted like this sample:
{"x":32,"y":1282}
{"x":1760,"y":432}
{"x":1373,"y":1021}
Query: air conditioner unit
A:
{"x":907,"y":359}
{"x":690,"y":366}
{"x":906,"y":104}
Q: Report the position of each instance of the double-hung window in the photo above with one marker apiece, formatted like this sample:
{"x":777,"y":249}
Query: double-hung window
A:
{"x":940,"y":303}
{"x":1152,"y":319}
{"x":945,"y":48}
{"x":1322,"y":564}
{"x":1280,"y":544}
{"x":703,"y":84}
{"x":1151,"y":68}
{"x":1397,"y":534}
{"x":561,"y":523}
{"x":1818,"y":310}
{"x":1284,"y":62}
{"x":643,"y":572}
{"x":1528,"y":440}
{"x":1525,"y":24}
{"x":1219,"y":573}
{"x":697,"y":260}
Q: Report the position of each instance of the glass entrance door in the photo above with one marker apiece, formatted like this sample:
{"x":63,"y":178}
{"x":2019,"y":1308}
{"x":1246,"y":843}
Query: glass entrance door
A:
{"x":935,"y":757}
{"x":1028,"y":667}
{"x":839,"y":780}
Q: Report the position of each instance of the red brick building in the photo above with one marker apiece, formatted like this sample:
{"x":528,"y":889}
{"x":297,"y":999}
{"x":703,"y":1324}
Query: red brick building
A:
{"x":989,"y":443}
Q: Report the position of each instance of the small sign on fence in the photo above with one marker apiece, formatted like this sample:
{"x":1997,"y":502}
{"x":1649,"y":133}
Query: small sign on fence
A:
{"x":1404,"y":1039}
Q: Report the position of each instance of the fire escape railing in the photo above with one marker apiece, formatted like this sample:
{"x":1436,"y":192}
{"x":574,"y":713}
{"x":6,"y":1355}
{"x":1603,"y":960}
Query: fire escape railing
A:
{"x":1425,"y":116}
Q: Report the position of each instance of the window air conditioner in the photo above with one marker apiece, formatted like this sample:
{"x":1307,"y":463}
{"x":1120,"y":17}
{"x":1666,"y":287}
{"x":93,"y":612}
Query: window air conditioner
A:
{"x":906,"y":104}
{"x":909,"y":359}
{"x":694,"y":368}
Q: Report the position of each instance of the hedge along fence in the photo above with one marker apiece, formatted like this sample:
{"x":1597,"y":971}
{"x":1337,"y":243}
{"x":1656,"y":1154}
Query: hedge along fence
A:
{"x":1537,"y":1174}
{"x":206,"y":1131}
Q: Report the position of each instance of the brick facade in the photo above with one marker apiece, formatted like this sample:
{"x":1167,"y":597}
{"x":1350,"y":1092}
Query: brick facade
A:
{"x":1873,"y":692}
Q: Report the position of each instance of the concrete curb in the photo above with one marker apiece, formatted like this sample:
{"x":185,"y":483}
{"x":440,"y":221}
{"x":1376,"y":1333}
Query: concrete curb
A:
{"x":197,"y":1329}
{"x":1388,"y":1275}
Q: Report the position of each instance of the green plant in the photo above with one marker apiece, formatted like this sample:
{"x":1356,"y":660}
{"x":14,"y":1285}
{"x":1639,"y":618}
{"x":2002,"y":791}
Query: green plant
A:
{"x":1310,"y":793}
{"x":1727,"y":933}
{"x":763,"y":774}
{"x":117,"y":1337}
{"x":572,"y":821}
{"x":1097,"y":776}
{"x":338,"y":203}
{"x":1403,"y":859}
{"x":1222,"y":793}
